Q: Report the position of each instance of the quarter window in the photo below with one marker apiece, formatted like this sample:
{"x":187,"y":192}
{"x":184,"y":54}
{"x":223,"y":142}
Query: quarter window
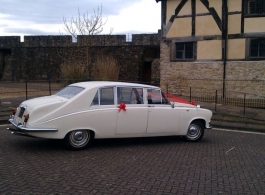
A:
{"x":257,"y":48}
{"x":104,"y":96}
{"x":95,"y":100}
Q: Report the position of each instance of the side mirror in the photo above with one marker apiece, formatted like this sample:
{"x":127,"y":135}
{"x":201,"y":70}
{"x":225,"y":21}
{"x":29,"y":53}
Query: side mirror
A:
{"x":172,"y":104}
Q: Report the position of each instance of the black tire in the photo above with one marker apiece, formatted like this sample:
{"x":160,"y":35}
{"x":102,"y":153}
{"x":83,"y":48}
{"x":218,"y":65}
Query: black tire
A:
{"x":78,"y":139}
{"x":195,"y":132}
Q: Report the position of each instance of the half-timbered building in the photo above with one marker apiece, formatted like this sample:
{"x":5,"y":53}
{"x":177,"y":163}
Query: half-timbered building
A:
{"x":216,"y":44}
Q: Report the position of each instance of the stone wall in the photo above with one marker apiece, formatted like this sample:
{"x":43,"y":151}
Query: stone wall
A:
{"x":39,"y":57}
{"x":241,"y":76}
{"x":156,"y":72}
{"x":66,"y":40}
{"x":2,"y":65}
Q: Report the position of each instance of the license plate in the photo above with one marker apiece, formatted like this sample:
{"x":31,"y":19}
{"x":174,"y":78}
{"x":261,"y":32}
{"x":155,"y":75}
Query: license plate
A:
{"x":22,"y":110}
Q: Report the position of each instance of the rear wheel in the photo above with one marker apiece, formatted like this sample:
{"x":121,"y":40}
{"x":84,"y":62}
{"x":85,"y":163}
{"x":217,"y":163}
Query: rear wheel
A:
{"x":78,"y":139}
{"x":195,"y":132}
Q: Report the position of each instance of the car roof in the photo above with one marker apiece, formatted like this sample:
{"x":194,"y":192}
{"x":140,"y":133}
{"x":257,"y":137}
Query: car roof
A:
{"x":94,"y":84}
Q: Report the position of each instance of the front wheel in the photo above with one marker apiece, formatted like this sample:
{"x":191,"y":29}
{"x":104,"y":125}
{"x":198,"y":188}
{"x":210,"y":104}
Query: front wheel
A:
{"x":195,"y":132}
{"x":78,"y":139}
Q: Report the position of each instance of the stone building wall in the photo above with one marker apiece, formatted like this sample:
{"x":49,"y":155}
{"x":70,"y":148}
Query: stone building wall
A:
{"x":39,"y":57}
{"x":241,"y":76}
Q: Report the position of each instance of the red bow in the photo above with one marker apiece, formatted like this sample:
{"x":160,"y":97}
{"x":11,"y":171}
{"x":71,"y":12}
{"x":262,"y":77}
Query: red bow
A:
{"x":122,"y":107}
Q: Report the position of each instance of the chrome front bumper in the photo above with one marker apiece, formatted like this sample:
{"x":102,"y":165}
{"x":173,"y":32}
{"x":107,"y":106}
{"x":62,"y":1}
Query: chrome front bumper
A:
{"x":21,"y":128}
{"x":208,"y":126}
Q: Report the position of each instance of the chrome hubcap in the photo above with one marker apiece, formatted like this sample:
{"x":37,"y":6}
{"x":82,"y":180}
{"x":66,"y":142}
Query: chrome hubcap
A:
{"x":194,"y":131}
{"x":79,"y":137}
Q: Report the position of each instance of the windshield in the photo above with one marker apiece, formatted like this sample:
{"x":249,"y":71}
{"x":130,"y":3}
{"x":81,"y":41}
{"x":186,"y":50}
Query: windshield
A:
{"x":69,"y":91}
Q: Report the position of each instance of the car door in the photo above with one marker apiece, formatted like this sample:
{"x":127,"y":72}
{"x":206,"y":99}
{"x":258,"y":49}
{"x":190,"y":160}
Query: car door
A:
{"x":162,"y":117}
{"x":103,"y":115}
{"x":132,"y":112}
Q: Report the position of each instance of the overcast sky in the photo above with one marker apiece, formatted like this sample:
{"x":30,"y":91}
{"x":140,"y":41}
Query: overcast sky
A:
{"x":45,"y":17}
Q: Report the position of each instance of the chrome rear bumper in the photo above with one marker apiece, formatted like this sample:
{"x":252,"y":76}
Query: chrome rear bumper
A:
{"x":21,"y":128}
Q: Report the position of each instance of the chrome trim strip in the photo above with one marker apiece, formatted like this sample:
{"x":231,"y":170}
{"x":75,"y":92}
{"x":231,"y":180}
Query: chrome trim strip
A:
{"x":21,"y":128}
{"x":80,"y":112}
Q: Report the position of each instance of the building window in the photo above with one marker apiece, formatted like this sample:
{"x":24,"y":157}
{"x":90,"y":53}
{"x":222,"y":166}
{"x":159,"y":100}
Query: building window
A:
{"x":255,"y":7}
{"x":257,"y":48}
{"x":185,"y":51}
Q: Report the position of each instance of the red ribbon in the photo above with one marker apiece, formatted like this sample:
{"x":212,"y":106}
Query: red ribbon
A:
{"x":122,"y":107}
{"x":174,"y":98}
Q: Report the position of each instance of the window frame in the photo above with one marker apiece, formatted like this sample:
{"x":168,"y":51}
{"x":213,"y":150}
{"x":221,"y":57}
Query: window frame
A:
{"x":99,"y":97}
{"x":173,"y":52}
{"x":162,"y":96}
{"x":248,"y":50}
{"x":133,"y":91}
{"x":247,"y":10}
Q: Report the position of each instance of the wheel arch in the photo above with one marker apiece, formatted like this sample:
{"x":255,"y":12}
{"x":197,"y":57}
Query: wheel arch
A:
{"x":195,"y":130}
{"x":184,"y":126}
{"x":79,"y":138}
{"x":90,"y":130}
{"x":201,"y":120}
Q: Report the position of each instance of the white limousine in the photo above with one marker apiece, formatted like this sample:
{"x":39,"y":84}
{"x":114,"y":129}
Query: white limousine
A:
{"x":84,"y":111}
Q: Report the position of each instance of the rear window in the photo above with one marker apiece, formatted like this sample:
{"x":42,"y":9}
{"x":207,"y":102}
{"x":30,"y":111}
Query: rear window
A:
{"x":69,"y":91}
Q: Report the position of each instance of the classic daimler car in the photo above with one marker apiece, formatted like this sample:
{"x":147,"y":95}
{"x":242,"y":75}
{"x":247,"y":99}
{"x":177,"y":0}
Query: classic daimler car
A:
{"x":84,"y":111}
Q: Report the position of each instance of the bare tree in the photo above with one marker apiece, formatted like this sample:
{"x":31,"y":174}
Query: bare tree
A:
{"x":85,"y":25}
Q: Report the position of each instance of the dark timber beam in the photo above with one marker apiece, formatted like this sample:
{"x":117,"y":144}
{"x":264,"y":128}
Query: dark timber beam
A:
{"x":172,"y":18}
{"x":213,"y":13}
{"x":163,"y":17}
{"x":204,"y":14}
{"x":180,"y":6}
{"x":243,"y":5}
{"x":216,"y":37}
{"x":193,"y":12}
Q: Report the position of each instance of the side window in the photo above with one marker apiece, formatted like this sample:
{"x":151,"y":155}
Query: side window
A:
{"x":155,"y":96}
{"x":95,"y":101}
{"x":104,"y":96}
{"x":129,"y":95}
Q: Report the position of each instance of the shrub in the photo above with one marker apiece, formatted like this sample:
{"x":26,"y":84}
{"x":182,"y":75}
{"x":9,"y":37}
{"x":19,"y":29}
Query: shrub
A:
{"x":105,"y":68}
{"x":73,"y":72}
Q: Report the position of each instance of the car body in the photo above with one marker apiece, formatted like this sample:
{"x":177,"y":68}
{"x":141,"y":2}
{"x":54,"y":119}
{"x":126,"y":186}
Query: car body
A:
{"x":99,"y":109}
